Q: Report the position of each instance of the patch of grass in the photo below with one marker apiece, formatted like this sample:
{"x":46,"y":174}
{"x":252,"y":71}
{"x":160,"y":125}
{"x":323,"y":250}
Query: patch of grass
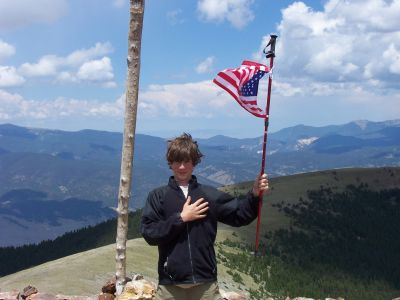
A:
{"x":278,"y":278}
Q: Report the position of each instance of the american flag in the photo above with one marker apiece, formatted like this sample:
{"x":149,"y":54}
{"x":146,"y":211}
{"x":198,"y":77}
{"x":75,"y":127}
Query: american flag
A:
{"x":242,"y":84}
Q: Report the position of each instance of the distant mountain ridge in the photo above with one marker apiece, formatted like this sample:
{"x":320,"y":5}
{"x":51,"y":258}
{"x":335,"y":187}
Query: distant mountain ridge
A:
{"x":33,"y":206}
{"x":28,"y":216}
{"x":86,"y":164}
{"x":349,"y":129}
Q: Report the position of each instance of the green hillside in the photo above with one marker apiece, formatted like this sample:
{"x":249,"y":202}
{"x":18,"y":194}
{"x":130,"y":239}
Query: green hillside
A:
{"x":326,"y":233}
{"x":332,"y":233}
{"x":83,"y":273}
{"x":290,"y":188}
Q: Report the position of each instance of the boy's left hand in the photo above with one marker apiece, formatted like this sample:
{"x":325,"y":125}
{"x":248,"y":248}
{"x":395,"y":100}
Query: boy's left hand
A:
{"x":260,"y":184}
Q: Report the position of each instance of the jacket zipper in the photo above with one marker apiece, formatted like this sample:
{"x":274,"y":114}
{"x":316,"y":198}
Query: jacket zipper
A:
{"x":189,"y":247}
{"x":190,"y":252}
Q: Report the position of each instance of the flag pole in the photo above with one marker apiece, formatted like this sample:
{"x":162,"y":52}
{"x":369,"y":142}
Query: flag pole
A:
{"x":269,"y":54}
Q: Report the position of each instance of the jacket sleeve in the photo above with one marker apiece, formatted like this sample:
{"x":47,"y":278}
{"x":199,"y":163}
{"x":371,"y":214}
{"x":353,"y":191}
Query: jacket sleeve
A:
{"x":238,"y":211}
{"x":155,"y":229}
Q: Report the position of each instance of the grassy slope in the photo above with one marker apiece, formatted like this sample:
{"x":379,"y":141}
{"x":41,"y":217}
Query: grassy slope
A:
{"x":84,"y":273}
{"x":291,"y":188}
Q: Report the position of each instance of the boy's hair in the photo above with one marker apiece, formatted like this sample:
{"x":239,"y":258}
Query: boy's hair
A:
{"x":183,"y":148}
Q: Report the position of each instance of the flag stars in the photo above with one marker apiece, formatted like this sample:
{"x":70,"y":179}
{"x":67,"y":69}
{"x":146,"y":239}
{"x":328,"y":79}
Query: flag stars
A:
{"x":251,"y":87}
{"x":242,"y":84}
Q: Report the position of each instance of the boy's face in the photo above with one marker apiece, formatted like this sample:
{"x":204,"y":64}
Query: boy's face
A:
{"x":182,"y":171}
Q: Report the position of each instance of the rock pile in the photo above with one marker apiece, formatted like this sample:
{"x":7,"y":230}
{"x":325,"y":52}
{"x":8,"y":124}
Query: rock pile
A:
{"x":136,"y":288}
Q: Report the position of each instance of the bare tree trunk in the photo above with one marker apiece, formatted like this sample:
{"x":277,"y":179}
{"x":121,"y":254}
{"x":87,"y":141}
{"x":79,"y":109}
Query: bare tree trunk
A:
{"x":132,"y":91}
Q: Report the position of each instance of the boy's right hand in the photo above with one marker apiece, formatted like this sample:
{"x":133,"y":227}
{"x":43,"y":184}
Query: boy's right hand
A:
{"x":194,"y":211}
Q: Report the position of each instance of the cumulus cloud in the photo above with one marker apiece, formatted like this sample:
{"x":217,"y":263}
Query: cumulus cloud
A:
{"x":340,"y":44}
{"x":236,"y":12}
{"x":184,"y":100}
{"x":18,"y":13}
{"x":9,"y":77}
{"x":391,"y":56}
{"x":50,"y":64}
{"x":80,"y":56}
{"x":6,"y":50}
{"x":16,"y":107}
{"x":65,"y":77}
{"x":46,"y":66}
{"x":96,"y":70}
{"x":79,"y":66}
{"x":291,"y":100}
{"x":206,"y":65}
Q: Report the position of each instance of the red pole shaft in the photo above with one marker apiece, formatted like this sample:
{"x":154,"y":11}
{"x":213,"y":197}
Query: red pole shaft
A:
{"x":266,"y":123}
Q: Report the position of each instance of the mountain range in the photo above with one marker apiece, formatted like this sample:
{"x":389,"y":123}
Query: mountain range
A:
{"x":81,"y":169}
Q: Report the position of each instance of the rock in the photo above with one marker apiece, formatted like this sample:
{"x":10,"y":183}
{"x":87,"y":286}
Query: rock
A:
{"x":64,"y":297}
{"x":231,"y":295}
{"x":136,"y":277}
{"x":41,"y":296}
{"x":138,"y":290}
{"x":13,"y":295}
{"x":109,"y":286}
{"x":106,"y":297}
{"x":303,"y":298}
{"x":29,"y":290}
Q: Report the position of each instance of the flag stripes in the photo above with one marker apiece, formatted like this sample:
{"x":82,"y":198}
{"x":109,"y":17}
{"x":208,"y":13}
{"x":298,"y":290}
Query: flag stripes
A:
{"x":242,"y":84}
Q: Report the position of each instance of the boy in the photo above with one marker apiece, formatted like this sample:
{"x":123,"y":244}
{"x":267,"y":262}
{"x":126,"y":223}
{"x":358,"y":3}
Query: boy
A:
{"x":181,"y":219}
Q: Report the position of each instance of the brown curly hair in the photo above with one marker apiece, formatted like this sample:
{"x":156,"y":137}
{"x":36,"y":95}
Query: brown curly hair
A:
{"x":183,"y":148}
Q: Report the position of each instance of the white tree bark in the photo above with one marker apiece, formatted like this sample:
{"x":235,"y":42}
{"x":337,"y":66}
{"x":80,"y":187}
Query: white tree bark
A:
{"x":132,"y":92}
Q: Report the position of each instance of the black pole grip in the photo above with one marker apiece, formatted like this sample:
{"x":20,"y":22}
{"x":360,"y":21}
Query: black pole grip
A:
{"x":272,"y":42}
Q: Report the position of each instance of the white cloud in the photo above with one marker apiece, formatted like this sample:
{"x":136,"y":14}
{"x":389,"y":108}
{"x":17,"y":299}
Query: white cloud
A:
{"x":392,"y":58}
{"x":283,"y":88}
{"x":46,"y":66}
{"x":9,"y":77}
{"x":206,"y":65}
{"x":19,"y":13}
{"x":184,"y":100}
{"x":65,"y":77}
{"x":77,"y":67}
{"x":50,"y":64}
{"x":80,"y":56}
{"x":291,"y":100}
{"x":367,"y":15}
{"x":6,"y":50}
{"x":355,"y":42}
{"x":15,"y":107}
{"x":96,"y":70}
{"x":236,"y":12}
{"x":8,"y":104}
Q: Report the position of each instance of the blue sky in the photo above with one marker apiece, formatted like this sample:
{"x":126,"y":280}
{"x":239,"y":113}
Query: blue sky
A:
{"x":63,"y":63}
